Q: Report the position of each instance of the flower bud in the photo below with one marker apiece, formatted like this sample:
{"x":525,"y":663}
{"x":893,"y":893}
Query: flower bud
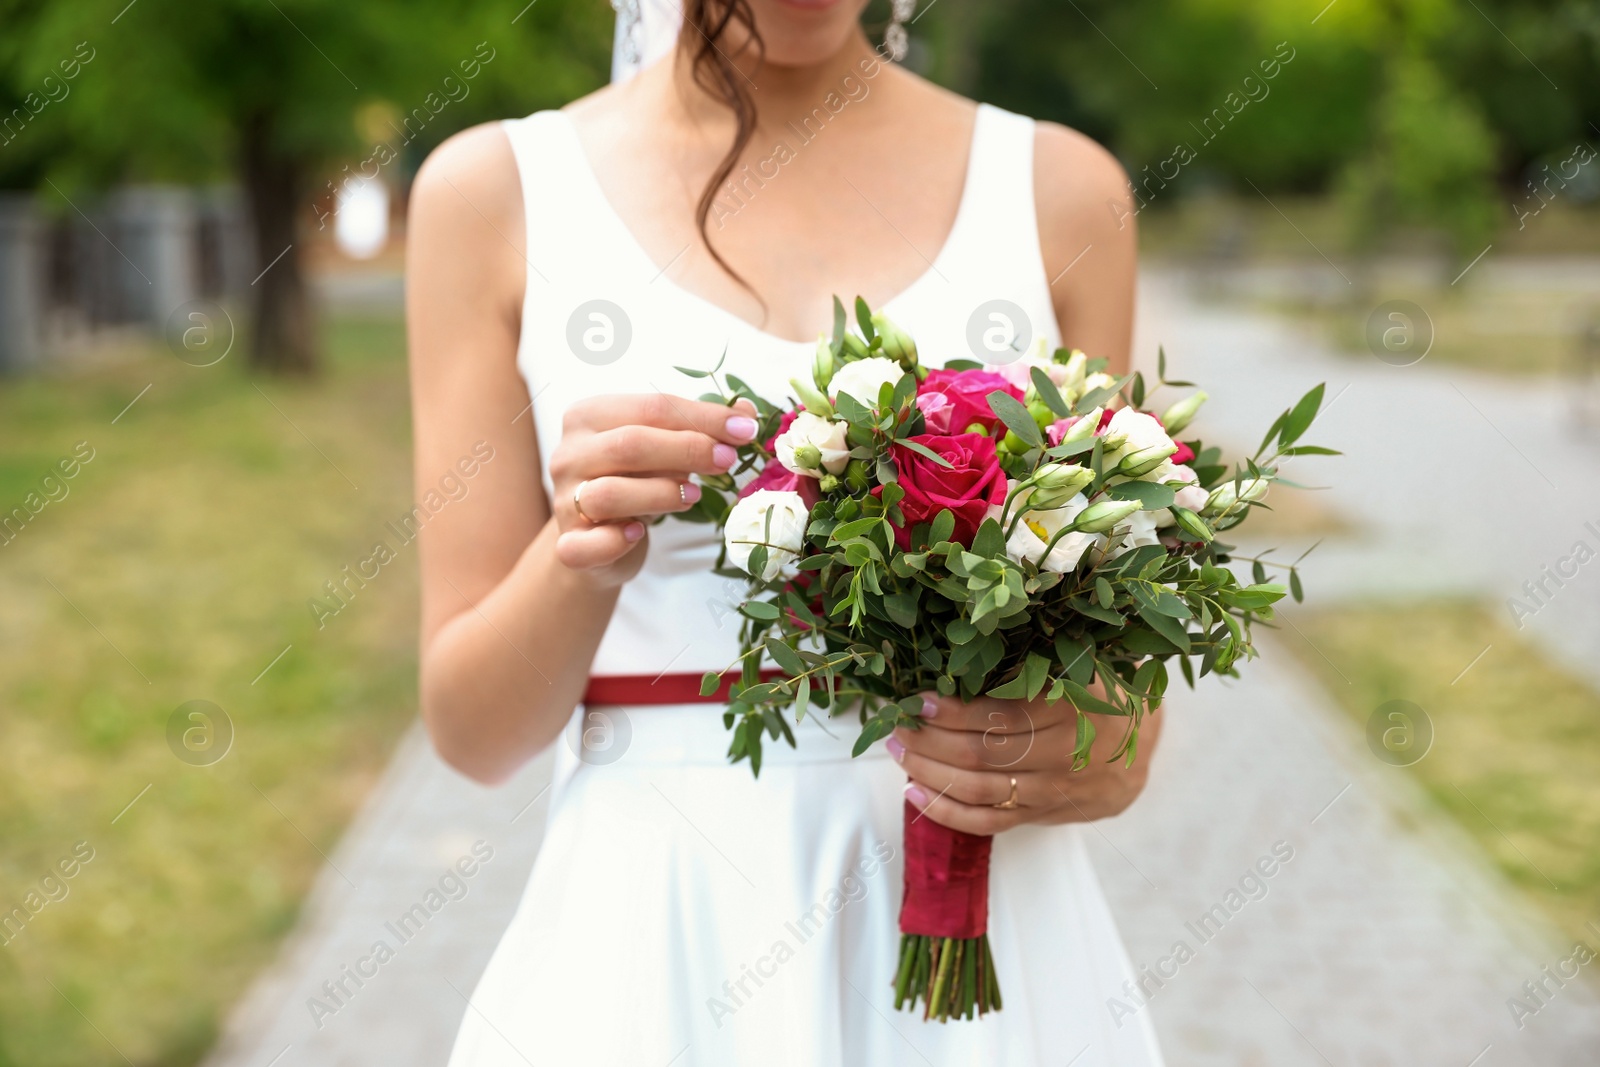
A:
{"x":978,"y":428}
{"x":1062,"y":476}
{"x":1012,"y":443}
{"x":1192,"y":524}
{"x":1182,"y":413}
{"x":823,"y":365}
{"x":1042,"y":415}
{"x":1083,"y":427}
{"x":855,"y":475}
{"x":897,"y":344}
{"x":813,"y":401}
{"x":808,"y":457}
{"x":1076,"y":365}
{"x":1137,"y":464}
{"x":1225,"y":498}
{"x":828,"y":483}
{"x":854,"y":347}
{"x":1102,"y":516}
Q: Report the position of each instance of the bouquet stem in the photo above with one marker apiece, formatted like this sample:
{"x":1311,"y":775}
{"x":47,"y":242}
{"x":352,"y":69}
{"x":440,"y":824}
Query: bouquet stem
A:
{"x":953,"y":977}
{"x":945,"y":960}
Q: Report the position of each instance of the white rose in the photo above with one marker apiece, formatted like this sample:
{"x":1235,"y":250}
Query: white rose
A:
{"x":863,"y":378}
{"x":748,"y":525}
{"x":1098,"y":380}
{"x":1038,"y":528}
{"x":825,"y":435}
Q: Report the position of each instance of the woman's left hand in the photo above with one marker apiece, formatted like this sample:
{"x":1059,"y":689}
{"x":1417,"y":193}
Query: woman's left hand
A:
{"x":962,"y":761}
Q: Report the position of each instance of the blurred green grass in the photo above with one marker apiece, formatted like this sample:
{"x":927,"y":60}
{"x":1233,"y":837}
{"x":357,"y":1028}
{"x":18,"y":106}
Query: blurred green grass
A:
{"x":177,"y":567}
{"x":1516,"y":748}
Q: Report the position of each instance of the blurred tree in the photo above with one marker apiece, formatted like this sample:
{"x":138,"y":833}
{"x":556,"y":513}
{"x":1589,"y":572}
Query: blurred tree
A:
{"x":269,"y":91}
{"x":1353,"y":109}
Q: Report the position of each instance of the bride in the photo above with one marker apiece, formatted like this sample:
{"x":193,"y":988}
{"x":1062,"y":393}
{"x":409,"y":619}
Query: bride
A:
{"x":765,"y":156}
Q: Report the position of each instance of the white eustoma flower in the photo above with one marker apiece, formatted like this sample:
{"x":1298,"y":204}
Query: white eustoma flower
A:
{"x":1038,"y":528}
{"x":772,"y":517}
{"x":1138,"y":431}
{"x":824,"y":435}
{"x":1141,"y":531}
{"x":1191,"y":496}
{"x":1098,"y":380}
{"x":863,"y":378}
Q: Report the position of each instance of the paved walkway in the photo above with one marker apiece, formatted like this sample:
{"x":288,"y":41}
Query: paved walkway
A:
{"x":1382,"y":941}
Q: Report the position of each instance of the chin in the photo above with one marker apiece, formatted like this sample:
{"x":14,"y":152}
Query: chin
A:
{"x":799,"y":33}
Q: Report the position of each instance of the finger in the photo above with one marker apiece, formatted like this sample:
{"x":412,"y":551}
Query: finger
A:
{"x":666,"y":412}
{"x":643,"y":449}
{"x":611,"y":498}
{"x":961,"y":783}
{"x":992,"y":751}
{"x":987,"y":714}
{"x":980,"y":819}
{"x":598,"y":546}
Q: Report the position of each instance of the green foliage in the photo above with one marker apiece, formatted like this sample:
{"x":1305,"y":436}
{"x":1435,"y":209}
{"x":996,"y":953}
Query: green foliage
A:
{"x":869,"y":623}
{"x":1431,"y":162}
{"x":175,"y":85}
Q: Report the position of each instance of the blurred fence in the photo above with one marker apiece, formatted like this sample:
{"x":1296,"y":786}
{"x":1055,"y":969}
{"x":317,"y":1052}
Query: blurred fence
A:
{"x":128,"y":260}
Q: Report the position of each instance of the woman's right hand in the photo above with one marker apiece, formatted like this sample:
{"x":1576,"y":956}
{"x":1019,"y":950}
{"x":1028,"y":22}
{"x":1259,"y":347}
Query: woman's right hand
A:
{"x":632,"y":455}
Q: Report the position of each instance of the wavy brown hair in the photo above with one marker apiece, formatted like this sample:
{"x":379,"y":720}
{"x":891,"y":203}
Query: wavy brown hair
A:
{"x":705,"y":30}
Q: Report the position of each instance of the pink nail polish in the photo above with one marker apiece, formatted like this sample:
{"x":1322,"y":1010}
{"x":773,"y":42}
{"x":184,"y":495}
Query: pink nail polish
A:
{"x":741,"y":428}
{"x":633,"y":531}
{"x":691,"y":492}
{"x":724,"y":456}
{"x":915,"y":794}
{"x":896,"y":749}
{"x":930,"y":706}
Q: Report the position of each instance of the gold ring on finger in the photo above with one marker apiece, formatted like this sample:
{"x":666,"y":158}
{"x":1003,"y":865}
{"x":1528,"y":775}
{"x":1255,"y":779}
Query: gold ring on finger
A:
{"x":1010,"y":803}
{"x":577,"y":503}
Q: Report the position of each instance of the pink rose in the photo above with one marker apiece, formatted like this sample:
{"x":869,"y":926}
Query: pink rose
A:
{"x":952,"y":400}
{"x":967,"y":487}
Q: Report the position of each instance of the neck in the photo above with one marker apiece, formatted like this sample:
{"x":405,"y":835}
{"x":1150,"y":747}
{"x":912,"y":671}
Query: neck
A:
{"x":781,"y":93}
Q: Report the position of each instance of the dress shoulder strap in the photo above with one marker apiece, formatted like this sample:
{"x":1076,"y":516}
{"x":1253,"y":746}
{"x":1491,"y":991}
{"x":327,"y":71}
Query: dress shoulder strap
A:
{"x":998,"y":222}
{"x":568,"y":220}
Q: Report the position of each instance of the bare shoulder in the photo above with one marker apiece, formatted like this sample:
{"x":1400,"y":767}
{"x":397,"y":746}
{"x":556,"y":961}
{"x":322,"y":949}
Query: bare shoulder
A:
{"x":466,"y":215}
{"x":472,"y":172}
{"x":1088,"y":241}
{"x":1079,"y":187}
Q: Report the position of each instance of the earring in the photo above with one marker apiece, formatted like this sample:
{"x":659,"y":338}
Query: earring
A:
{"x":628,"y":18}
{"x":895,"y":40}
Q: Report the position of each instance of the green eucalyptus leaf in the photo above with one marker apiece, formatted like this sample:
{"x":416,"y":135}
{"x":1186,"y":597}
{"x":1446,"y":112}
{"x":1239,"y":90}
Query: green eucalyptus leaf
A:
{"x":1009,"y":410}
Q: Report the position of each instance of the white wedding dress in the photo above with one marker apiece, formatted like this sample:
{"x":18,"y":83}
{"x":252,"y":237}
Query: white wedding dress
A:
{"x":681,"y":914}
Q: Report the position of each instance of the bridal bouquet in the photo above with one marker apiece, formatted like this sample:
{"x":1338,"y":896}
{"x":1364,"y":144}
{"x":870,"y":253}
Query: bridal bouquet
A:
{"x":1016,"y":531}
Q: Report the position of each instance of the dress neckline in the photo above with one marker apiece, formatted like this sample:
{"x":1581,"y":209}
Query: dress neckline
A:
{"x":636,"y":248}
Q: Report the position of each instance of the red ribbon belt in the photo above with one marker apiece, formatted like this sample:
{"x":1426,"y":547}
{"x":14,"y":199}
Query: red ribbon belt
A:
{"x":946,"y":879}
{"x":661,"y":688}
